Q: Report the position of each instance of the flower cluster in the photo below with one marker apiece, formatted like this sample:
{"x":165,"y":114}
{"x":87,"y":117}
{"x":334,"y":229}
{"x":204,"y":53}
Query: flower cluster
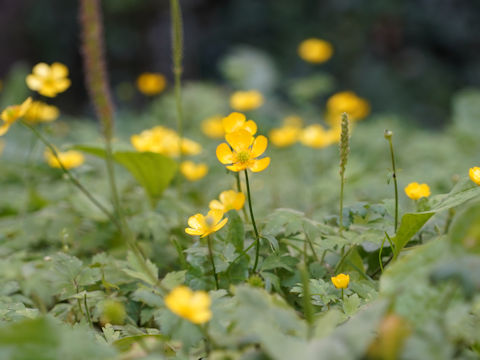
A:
{"x":165,"y":141}
{"x":416,"y":191}
{"x":191,"y":305}
{"x":49,"y":80}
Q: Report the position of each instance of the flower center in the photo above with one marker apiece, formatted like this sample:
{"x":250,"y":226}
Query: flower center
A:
{"x":209,"y":221}
{"x":243,"y":156}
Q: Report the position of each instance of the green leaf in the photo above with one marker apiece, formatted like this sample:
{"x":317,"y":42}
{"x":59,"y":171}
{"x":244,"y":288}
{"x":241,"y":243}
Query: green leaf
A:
{"x":411,"y":223}
{"x":153,"y":171}
{"x":173,"y":279}
{"x":147,"y":273}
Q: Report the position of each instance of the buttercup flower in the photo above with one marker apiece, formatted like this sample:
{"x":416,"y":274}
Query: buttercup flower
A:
{"x":164,"y":141}
{"x":246,"y":150}
{"x":40,"y":112}
{"x":246,"y":100}
{"x":13,"y":113}
{"x":341,"y":281}
{"x":284,"y":136}
{"x":190,"y":305}
{"x":356,"y":107}
{"x":69,"y":159}
{"x":474,"y":174}
{"x":206,"y":225}
{"x":49,"y":80}
{"x":416,"y":191}
{"x":315,"y":50}
{"x":151,"y":83}
{"x":213,"y":127}
{"x":229,"y":200}
{"x":192,"y":171}
{"x":236,"y":121}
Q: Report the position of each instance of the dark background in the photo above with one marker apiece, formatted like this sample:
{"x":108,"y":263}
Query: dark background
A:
{"x":404,"y":56}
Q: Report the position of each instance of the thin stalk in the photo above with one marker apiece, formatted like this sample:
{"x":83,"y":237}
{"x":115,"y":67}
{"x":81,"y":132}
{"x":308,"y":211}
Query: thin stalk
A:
{"x":342,"y":185}
{"x":69,"y":175}
{"x":252,"y":217}
{"x":307,"y":301}
{"x":388,"y":135}
{"x":177,"y":51}
{"x":87,"y":311}
{"x":212,"y":261}
{"x":343,"y":299}
{"x":239,"y":189}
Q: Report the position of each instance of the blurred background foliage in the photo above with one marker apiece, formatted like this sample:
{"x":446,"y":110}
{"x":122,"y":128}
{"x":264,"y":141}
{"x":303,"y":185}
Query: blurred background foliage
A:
{"x":406,"y":57}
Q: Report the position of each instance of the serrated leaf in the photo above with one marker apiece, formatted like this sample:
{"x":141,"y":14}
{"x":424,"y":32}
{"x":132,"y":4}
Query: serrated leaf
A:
{"x":173,"y":279}
{"x":151,"y":170}
{"x":235,"y":231}
{"x":147,"y":272}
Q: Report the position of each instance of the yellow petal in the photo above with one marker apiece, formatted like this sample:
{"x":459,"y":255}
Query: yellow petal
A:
{"x":239,"y":140}
{"x":215,"y":204}
{"x":215,"y":215}
{"x":251,"y":127}
{"x":259,"y":165}
{"x":61,"y":85}
{"x":41,"y":69}
{"x":34,"y":82}
{"x":259,"y":146}
{"x":237,"y":167}
{"x":190,"y":231}
{"x":220,"y":224}
{"x":4,"y":128}
{"x":233,"y":122}
{"x":197,"y":221}
{"x":58,"y":70}
{"x":224,"y":154}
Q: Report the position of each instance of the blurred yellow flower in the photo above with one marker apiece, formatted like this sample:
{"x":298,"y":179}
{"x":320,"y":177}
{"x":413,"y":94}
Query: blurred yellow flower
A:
{"x":151,"y":83}
{"x":416,"y":191}
{"x":192,"y":171}
{"x":316,"y":136}
{"x":69,"y":159}
{"x":40,"y":112}
{"x":315,"y":50}
{"x":284,"y":136}
{"x":213,"y":127}
{"x":162,"y":140}
{"x":246,"y":100}
{"x":206,"y":225}
{"x":246,"y":150}
{"x":13,"y":113}
{"x":49,"y":80}
{"x":229,"y":200}
{"x":341,"y":281}
{"x":190,"y":305}
{"x":236,"y":121}
{"x":474,"y":174}
{"x":356,"y":107}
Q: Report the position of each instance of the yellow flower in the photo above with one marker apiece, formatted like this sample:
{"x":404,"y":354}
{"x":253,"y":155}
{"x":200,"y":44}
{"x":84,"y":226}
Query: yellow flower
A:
{"x":49,"y":80}
{"x":229,"y":200}
{"x":416,"y":191}
{"x":151,"y":83}
{"x":246,"y":100}
{"x":316,"y":136}
{"x":206,"y":225}
{"x":356,"y":107}
{"x":69,"y":159}
{"x":246,"y":150}
{"x":193,"y":306}
{"x":474,"y":174}
{"x":284,"y":136}
{"x":341,"y":281}
{"x":213,"y":127}
{"x":315,"y":50}
{"x":164,"y":141}
{"x":236,"y":121}
{"x":192,"y":171}
{"x":13,"y":113}
{"x":40,"y":112}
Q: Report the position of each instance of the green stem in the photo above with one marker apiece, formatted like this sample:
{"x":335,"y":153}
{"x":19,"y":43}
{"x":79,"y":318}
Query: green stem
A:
{"x":342,"y":183}
{"x":257,"y":237}
{"x":343,"y":295}
{"x":239,"y":189}
{"x":394,"y":176}
{"x":69,"y":175}
{"x":307,"y":301}
{"x":87,"y":311}
{"x":210,"y":254}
